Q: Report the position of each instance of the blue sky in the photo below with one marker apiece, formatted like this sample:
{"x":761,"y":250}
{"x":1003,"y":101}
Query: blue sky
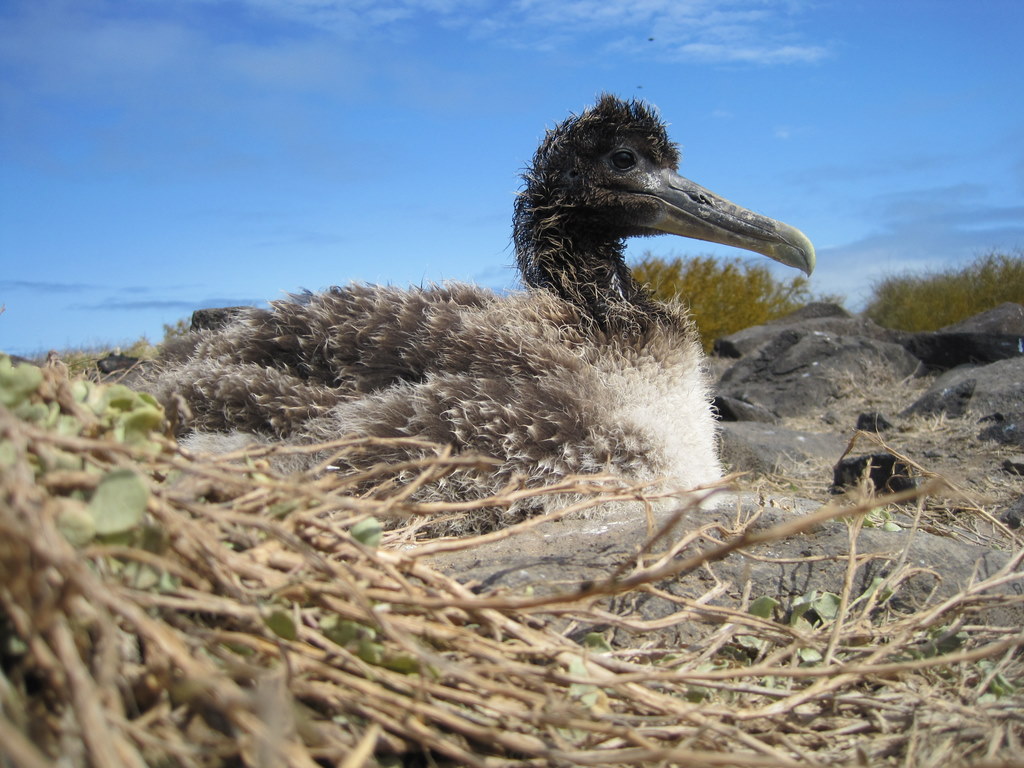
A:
{"x":162,"y":155}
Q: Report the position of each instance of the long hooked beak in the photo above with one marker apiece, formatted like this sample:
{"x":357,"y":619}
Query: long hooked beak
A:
{"x":692,"y":211}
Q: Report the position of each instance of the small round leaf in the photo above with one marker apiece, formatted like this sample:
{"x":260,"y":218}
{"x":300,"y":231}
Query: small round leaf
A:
{"x":119,"y":502}
{"x":367,"y":532}
{"x":75,"y":523}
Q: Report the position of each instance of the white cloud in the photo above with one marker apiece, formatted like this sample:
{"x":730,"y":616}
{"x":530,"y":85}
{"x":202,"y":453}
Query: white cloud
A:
{"x":96,"y":40}
{"x":917,"y":231}
{"x":351,"y":17}
{"x":712,"y":31}
{"x":745,"y":54}
{"x":159,"y":93}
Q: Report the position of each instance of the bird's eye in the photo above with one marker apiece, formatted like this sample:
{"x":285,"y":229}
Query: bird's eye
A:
{"x":623,"y":159}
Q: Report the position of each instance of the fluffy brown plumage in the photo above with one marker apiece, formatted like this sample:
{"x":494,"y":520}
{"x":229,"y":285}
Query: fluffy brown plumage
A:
{"x":581,"y":373}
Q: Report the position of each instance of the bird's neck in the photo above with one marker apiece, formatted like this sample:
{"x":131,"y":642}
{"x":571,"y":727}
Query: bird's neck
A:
{"x":587,"y":270}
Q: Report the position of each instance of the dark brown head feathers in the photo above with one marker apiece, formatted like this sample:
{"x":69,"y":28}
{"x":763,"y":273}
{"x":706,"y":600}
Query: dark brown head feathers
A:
{"x":570,"y":224}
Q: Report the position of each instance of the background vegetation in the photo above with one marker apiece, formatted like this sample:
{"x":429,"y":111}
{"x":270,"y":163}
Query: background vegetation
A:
{"x":724,"y":295}
{"x":928,"y":301}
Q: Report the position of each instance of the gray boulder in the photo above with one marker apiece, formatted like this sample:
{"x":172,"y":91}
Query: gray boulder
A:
{"x":750,"y":340}
{"x":1013,"y":516}
{"x":943,"y":350}
{"x":996,"y":334}
{"x":1004,"y":428}
{"x":800,"y":367}
{"x":873,"y":422}
{"x":734,"y":409}
{"x":813,"y":311}
{"x":214,"y":317}
{"x":975,"y":391}
{"x":1007,"y":318}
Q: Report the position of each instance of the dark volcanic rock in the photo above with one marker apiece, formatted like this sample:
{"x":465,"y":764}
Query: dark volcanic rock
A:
{"x":886,"y":473}
{"x":813,"y":311}
{"x":994,"y":335}
{"x":997,"y":334}
{"x":726,"y":347}
{"x":799,"y":369}
{"x":734,"y":409}
{"x":115,"y":362}
{"x":1013,"y":515}
{"x":1005,"y":428}
{"x":752,"y":339}
{"x":950,"y":398}
{"x":975,"y":390}
{"x":18,"y":359}
{"x":211,"y":319}
{"x":942,"y":350}
{"x":873,"y":422}
{"x":1007,"y":318}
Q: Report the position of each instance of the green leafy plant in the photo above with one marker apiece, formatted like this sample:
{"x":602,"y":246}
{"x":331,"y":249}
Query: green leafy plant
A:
{"x":116,"y":506}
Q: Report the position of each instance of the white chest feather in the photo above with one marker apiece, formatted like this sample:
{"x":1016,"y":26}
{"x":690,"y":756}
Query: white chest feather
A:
{"x":670,"y":407}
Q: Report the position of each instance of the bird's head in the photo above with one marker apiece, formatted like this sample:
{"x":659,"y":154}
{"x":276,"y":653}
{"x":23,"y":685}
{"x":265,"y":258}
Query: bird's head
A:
{"x":610,"y":173}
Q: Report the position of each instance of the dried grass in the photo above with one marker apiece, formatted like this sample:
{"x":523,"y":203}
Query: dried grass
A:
{"x":254,"y":628}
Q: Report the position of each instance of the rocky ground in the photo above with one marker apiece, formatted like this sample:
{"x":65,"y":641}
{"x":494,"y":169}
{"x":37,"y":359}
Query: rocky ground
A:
{"x":948,"y":406}
{"x":952,"y":402}
{"x":941,"y":414}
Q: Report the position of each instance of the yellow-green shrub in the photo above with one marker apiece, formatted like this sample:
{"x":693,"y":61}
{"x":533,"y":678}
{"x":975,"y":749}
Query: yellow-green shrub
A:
{"x":724,"y":295}
{"x":173,"y":331}
{"x":924,"y":302}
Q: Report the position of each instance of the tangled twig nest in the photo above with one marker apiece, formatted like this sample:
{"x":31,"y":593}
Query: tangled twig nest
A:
{"x":247,"y":618}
